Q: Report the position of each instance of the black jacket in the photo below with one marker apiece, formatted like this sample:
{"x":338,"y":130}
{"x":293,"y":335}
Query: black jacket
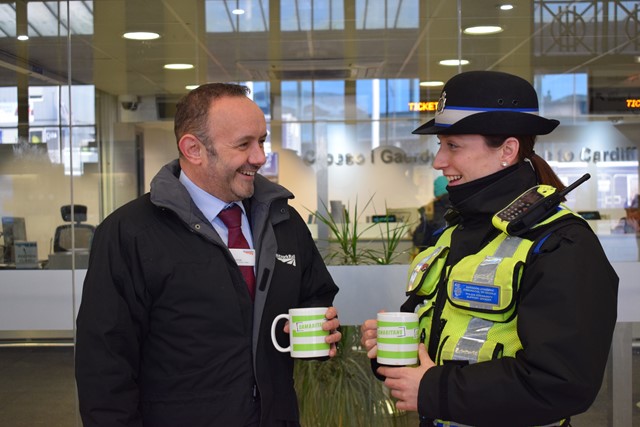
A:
{"x":566,"y":315}
{"x":167,"y":334}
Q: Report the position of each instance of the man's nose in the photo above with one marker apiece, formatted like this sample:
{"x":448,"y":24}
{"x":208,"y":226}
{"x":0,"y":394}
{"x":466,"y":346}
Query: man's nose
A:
{"x":258,"y":156}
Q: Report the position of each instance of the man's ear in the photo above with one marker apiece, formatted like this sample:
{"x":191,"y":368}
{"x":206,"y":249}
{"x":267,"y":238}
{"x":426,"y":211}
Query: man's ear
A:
{"x":191,"y":148}
{"x":510,"y":149}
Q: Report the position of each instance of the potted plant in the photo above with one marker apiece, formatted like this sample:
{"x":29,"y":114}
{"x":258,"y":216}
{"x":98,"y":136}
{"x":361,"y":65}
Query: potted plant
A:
{"x":350,"y":246}
{"x":344,"y":391}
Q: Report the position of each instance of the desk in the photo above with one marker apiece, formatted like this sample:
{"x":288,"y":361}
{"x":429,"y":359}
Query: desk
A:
{"x":64,"y":260}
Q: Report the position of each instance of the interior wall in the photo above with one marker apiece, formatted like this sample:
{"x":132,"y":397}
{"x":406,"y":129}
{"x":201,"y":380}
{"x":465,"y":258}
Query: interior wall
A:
{"x":33,"y":187}
{"x":159,"y":148}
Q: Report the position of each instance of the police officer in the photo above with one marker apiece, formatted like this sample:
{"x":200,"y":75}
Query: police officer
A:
{"x":516,"y":327}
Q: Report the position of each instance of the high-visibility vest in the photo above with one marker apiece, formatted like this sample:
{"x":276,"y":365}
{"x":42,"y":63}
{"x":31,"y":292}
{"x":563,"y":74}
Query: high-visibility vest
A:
{"x":479,"y":314}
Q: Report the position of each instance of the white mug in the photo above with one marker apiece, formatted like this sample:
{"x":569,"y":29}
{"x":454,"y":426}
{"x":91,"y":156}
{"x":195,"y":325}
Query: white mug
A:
{"x":305,"y":332}
{"x":397,"y":338}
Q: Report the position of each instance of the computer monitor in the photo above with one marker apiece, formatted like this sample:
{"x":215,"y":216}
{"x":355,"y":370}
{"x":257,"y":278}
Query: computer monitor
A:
{"x":13,"y":229}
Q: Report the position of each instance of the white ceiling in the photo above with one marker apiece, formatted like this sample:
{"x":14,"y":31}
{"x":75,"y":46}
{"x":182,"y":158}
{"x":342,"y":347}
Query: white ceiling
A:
{"x":538,"y":37}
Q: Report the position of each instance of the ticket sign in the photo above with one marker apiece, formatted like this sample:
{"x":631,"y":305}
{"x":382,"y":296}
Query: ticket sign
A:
{"x":633,"y":104}
{"x":423,"y":106}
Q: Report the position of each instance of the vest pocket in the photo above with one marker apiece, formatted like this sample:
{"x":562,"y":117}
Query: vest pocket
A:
{"x":426,"y":270}
{"x":425,"y":318}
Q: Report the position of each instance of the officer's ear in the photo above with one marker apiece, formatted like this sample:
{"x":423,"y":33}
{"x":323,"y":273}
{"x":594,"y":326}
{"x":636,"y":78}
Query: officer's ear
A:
{"x":509,"y":151}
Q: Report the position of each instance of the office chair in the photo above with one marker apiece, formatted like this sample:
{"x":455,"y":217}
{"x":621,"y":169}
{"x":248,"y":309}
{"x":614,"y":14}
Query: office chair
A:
{"x":83,"y":232}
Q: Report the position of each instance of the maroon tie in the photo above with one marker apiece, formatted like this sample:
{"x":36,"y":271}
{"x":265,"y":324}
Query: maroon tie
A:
{"x":232,"y":219}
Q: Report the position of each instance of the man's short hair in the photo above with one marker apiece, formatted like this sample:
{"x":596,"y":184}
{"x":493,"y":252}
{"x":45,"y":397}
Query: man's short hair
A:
{"x":192,"y":112}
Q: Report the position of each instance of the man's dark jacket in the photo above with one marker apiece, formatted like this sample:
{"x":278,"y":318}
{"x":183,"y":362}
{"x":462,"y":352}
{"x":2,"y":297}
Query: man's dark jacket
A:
{"x":166,"y":332}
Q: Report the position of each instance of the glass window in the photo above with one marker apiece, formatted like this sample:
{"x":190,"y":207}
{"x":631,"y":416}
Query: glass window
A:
{"x":7,"y":20}
{"x":562,"y":94}
{"x":392,"y":14}
{"x":8,"y":109}
{"x":242,"y":16}
{"x":50,"y":18}
{"x":387,"y":98}
{"x":305,"y":15}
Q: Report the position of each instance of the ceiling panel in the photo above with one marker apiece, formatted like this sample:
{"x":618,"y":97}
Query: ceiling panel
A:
{"x":606,"y":51}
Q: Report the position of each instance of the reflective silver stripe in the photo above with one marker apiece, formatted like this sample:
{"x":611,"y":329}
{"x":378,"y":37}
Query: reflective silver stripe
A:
{"x":451,"y":115}
{"x":486,"y":272}
{"x":508,"y":247}
{"x":469,"y":345}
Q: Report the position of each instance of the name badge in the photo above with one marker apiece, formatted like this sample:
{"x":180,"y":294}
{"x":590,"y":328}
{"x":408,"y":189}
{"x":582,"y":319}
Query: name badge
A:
{"x":244,"y":257}
{"x":476,"y":293}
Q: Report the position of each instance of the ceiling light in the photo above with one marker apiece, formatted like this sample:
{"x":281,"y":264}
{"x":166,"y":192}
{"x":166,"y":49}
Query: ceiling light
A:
{"x":483,"y":29}
{"x":141,"y":35}
{"x":238,"y":11}
{"x":506,"y":6}
{"x":638,"y":59}
{"x":23,"y":37}
{"x":178,"y":66}
{"x":453,"y":62}
{"x":191,"y":87}
{"x":433,"y":83}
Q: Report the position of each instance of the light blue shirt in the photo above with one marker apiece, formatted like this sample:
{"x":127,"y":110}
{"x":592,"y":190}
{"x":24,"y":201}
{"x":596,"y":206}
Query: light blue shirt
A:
{"x":211,"y":206}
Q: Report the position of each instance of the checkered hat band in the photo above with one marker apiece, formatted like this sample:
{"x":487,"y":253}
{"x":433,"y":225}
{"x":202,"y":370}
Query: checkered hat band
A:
{"x":451,"y":115}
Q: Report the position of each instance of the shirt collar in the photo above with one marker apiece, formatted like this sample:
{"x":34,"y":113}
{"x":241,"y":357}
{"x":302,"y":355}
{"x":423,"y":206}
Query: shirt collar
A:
{"x":208,"y":204}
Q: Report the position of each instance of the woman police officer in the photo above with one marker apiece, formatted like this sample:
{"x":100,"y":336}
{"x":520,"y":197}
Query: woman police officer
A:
{"x":516,"y":328}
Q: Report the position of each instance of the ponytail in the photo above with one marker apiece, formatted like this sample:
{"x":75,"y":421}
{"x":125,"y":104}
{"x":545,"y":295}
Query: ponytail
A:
{"x":546,"y":175}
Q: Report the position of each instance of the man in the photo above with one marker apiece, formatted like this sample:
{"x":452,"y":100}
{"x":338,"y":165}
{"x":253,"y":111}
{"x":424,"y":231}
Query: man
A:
{"x":169,"y":332}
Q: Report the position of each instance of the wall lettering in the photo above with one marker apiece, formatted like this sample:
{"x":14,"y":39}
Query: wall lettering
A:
{"x":395,"y":156}
{"x":589,"y":155}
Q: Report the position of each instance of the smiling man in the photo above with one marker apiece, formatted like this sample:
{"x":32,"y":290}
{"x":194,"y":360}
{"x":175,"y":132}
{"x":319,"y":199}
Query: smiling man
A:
{"x":184,"y":283}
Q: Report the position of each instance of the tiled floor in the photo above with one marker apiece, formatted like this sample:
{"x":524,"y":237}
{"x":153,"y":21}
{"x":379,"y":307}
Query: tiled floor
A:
{"x":37,"y":389}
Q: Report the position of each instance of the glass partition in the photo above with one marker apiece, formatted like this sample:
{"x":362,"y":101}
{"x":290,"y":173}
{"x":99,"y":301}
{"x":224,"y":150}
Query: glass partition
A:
{"x":86,"y":121}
